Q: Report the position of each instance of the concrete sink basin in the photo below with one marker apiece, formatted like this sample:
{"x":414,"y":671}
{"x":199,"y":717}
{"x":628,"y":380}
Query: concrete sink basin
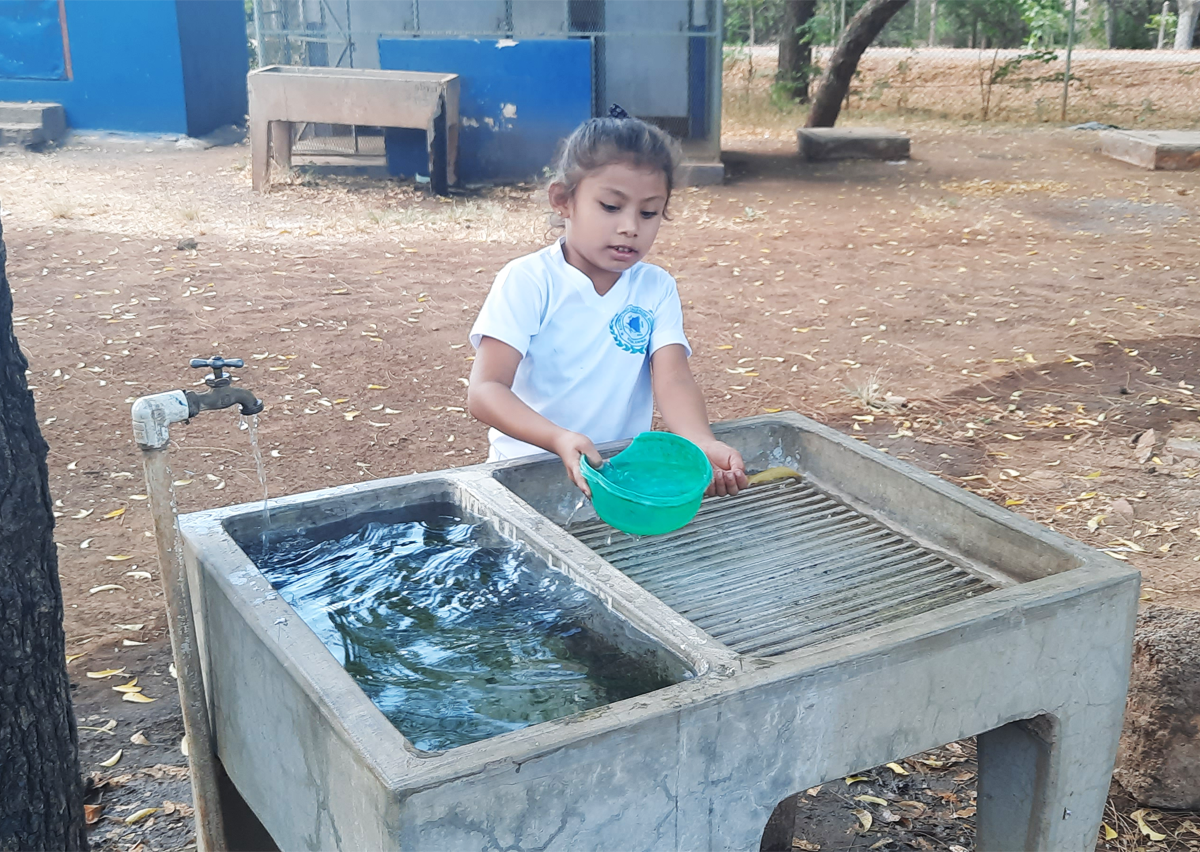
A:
{"x":809,"y":629}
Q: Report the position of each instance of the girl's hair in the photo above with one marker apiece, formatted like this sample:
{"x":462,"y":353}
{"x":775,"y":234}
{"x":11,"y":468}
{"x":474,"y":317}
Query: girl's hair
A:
{"x":600,"y":142}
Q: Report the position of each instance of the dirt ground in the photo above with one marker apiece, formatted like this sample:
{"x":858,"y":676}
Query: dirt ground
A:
{"x":1034,"y":303}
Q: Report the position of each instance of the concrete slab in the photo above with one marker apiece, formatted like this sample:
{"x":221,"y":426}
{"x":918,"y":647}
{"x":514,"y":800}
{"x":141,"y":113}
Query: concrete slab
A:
{"x":1037,"y":665}
{"x":30,"y":123}
{"x":702,"y":173}
{"x":852,"y":143}
{"x":1171,"y":150}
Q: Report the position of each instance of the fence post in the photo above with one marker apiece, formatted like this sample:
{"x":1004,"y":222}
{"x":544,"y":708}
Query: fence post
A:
{"x":256,"y":10}
{"x":1067,"y":74}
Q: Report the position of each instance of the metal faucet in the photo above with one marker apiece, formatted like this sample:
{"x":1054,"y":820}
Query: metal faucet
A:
{"x":152,"y":417}
{"x":153,"y":414}
{"x":221,"y":395}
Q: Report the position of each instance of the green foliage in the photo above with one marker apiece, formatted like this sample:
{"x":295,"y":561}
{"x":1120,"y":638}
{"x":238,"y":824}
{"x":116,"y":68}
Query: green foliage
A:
{"x":1047,"y":22}
{"x":1171,"y":20}
{"x":768,"y":18}
{"x":986,"y":23}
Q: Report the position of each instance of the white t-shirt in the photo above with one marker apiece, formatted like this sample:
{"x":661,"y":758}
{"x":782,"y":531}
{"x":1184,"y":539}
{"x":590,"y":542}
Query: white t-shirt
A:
{"x":585,"y":362}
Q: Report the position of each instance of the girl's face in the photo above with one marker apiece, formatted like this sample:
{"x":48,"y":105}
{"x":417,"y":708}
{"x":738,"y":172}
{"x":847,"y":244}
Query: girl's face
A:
{"x":611,"y":220}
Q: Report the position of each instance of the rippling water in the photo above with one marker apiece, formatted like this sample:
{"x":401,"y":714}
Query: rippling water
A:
{"x":455,"y":633}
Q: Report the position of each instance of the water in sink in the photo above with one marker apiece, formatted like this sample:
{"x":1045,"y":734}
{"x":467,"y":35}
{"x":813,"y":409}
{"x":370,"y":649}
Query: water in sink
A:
{"x":456,"y":633}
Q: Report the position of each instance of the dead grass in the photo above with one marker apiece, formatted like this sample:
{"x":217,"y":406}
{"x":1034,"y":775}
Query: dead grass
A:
{"x":128,"y":200}
{"x":1135,"y":89}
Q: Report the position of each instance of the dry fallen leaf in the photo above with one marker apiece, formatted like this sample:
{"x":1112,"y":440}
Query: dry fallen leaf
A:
{"x":91,"y":813}
{"x":106,"y":673}
{"x":137,"y":698}
{"x":140,"y":815}
{"x":805,"y":845}
{"x":107,"y":587}
{"x":853,"y":779}
{"x":128,"y":687}
{"x":183,"y":746}
{"x":71,"y":657}
{"x":115,"y":513}
{"x":874,"y":800}
{"x":1109,"y":833}
{"x":131,"y":626}
{"x":82,"y":513}
{"x":864,"y":819}
{"x":1139,"y":816}
{"x":139,"y":739}
{"x":120,"y":557}
{"x":112,"y":761}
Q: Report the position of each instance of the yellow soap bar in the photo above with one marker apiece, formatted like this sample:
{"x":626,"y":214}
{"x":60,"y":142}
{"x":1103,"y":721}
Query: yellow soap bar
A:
{"x":773,"y":474}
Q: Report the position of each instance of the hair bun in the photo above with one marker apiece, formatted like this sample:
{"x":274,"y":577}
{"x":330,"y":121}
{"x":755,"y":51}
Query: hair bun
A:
{"x":616,"y":111}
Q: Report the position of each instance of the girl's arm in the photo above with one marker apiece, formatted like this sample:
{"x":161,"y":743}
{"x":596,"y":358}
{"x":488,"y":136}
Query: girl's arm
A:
{"x":682,"y":407}
{"x":491,"y":400}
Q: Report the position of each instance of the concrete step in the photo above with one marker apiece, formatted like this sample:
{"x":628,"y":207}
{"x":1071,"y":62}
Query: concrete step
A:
{"x":31,"y":124}
{"x":1173,"y":150}
{"x":852,"y":143}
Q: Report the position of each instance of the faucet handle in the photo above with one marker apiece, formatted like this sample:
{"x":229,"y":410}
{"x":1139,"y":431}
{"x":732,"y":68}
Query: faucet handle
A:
{"x":219,"y":378}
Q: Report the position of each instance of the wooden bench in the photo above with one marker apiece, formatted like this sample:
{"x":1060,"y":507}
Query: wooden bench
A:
{"x":281,"y":95}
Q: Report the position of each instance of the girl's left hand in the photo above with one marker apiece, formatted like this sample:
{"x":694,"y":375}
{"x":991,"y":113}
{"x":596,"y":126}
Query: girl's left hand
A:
{"x":729,"y":471}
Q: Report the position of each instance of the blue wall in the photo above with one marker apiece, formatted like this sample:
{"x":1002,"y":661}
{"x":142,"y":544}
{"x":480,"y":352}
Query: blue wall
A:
{"x":31,"y":41}
{"x":129,"y":71}
{"x":548,"y":84}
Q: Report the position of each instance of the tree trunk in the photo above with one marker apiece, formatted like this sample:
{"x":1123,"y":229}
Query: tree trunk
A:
{"x":1185,"y":33}
{"x":41,"y":794}
{"x":835,"y":82}
{"x":1110,"y":23}
{"x":933,"y":22}
{"x":795,"y":49}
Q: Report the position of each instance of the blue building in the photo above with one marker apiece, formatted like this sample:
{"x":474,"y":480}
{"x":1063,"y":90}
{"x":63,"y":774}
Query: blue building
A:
{"x":530,"y":70}
{"x":154,"y":66}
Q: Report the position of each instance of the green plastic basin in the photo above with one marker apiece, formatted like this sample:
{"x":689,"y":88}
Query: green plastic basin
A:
{"x":653,"y":486}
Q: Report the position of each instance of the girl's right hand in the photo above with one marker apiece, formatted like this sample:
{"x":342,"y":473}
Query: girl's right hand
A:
{"x":571,"y":447}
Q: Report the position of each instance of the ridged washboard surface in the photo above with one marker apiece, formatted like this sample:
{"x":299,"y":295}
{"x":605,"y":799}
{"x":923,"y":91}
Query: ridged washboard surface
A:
{"x":784,"y":566}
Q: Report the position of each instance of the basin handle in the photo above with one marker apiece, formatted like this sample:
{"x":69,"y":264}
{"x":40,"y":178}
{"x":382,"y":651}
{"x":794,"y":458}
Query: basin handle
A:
{"x":219,"y":378}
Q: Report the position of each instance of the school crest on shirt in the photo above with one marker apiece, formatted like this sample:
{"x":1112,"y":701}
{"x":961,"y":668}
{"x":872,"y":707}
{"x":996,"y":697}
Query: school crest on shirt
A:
{"x":631,"y":329}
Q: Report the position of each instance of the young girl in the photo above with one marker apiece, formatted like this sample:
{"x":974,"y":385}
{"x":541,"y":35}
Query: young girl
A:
{"x":577,"y":342}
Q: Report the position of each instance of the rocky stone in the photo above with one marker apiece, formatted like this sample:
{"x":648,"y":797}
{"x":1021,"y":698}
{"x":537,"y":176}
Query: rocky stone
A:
{"x":1159,"y":757}
{"x":1184,"y":448}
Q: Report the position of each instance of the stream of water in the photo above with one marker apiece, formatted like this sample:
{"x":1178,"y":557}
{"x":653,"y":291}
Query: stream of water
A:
{"x":250,"y":425}
{"x":454,"y":632}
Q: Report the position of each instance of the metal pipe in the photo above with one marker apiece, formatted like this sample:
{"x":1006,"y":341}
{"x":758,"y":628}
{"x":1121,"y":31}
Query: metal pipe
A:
{"x":152,"y":418}
{"x":258,"y":33}
{"x":1067,"y":74}
{"x":202,"y":760}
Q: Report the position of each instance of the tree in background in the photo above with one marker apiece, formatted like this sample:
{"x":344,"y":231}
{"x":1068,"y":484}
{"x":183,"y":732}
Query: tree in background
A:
{"x":1185,"y":28}
{"x":795,"y":49}
{"x":41,"y":794}
{"x":835,"y":81}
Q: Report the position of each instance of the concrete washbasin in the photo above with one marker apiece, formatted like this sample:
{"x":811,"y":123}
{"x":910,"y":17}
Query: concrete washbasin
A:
{"x":806,"y":629}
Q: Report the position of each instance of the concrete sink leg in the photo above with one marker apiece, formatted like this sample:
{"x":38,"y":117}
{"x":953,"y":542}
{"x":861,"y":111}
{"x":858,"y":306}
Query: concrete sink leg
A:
{"x":1040,"y":787}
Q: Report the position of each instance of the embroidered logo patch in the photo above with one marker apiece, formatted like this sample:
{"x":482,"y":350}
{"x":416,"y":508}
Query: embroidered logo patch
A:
{"x":631,"y":329}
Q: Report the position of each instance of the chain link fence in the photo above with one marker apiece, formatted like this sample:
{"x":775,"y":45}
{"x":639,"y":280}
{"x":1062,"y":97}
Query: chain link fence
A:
{"x":984,"y":60}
